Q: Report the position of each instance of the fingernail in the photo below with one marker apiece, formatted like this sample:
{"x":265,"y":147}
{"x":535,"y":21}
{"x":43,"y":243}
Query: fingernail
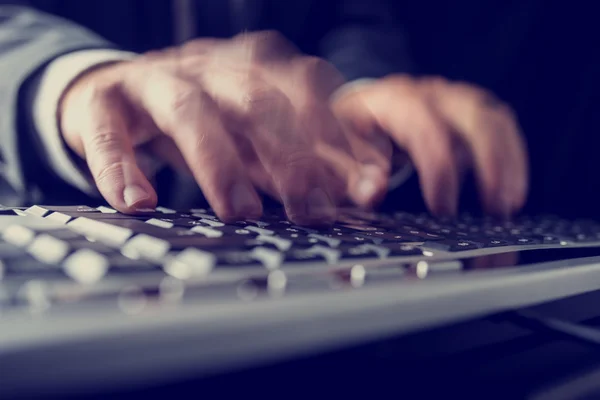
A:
{"x":243,"y":200}
{"x":367,"y":185}
{"x":367,"y":189}
{"x":319,"y":205}
{"x":134,"y":194}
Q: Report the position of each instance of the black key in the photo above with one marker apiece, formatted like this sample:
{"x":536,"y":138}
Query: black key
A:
{"x":363,"y":251}
{"x":493,"y":242}
{"x":121,"y":264}
{"x":523,"y":240}
{"x":454,"y":245}
{"x":202,"y":242}
{"x":390,"y":237}
{"x":303,"y":256}
{"x":184,"y":222}
{"x":236,"y":259}
{"x":7,"y":210}
{"x":423,"y":235}
{"x":402,"y":250}
{"x":335,"y":240}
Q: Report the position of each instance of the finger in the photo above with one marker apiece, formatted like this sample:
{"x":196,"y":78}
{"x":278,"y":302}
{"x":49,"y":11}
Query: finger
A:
{"x":416,"y":128}
{"x":493,"y":136}
{"x":186,"y":114}
{"x":106,"y":143}
{"x":373,"y":152}
{"x":310,"y":89}
{"x":266,"y":116}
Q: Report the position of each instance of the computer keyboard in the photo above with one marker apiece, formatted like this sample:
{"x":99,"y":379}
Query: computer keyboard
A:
{"x":58,"y":255}
{"x":133,"y":298}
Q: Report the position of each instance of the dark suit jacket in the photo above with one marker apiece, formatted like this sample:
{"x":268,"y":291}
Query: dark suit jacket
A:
{"x":358,"y":37}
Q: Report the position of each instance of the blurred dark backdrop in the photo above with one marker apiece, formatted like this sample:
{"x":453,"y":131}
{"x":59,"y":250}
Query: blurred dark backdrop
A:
{"x":539,"y":56}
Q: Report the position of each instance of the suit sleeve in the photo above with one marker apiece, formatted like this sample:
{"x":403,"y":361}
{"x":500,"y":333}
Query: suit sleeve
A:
{"x":366,"y":41}
{"x":29,"y":41}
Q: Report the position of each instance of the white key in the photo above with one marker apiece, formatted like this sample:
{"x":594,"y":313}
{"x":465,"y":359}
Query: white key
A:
{"x":271,"y":259}
{"x":206,"y":231}
{"x":331,"y":255}
{"x":102,"y":231}
{"x":331,"y":242}
{"x":86,"y":266}
{"x":190,"y":263}
{"x":260,"y":231}
{"x":213,"y":223}
{"x":281,"y":243}
{"x":37,"y":211}
{"x":146,"y":246}
{"x":59,"y":217}
{"x":48,"y":249}
{"x":165,"y":210}
{"x":106,"y":210}
{"x":160,"y":223}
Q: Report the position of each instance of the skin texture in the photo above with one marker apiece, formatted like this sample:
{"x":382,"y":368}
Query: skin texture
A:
{"x":252,"y":114}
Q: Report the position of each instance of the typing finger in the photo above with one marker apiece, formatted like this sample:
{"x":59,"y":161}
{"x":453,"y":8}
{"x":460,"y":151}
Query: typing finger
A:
{"x":191,"y":118}
{"x":491,"y":132}
{"x":106,"y":144}
{"x":267,"y":118}
{"x":402,"y":112}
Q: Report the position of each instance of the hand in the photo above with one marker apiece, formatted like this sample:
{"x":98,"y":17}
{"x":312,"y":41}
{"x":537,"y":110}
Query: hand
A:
{"x":239,"y":115}
{"x":446,"y":128}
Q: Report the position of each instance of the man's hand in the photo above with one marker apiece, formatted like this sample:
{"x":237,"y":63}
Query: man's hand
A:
{"x":240,"y":115}
{"x":446,"y":128}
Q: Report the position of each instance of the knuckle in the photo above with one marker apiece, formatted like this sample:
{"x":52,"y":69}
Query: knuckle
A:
{"x":400,"y":81}
{"x":105,"y":141}
{"x":185,"y":100}
{"x":263,"y":102}
{"x":109,"y":174}
{"x":266,"y":44}
{"x":296,"y":160}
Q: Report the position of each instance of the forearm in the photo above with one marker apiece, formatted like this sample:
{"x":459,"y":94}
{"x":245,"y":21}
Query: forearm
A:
{"x":29,"y":40}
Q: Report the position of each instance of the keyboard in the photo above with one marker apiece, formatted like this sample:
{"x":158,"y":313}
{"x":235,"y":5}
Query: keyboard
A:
{"x":183,"y":279}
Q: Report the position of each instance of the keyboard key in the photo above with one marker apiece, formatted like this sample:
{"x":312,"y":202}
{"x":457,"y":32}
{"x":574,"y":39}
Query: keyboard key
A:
{"x":269,"y":258}
{"x":454,"y":246}
{"x":402,"y":250}
{"x":303,"y":256}
{"x":364,"y":251}
{"x":106,"y":210}
{"x":86,"y":266}
{"x":59,"y":217}
{"x":37,"y":211}
{"x":165,"y":210}
{"x":237,"y":259}
{"x":48,"y":249}
{"x":280,"y":243}
{"x":147,"y":247}
{"x":103,"y":231}
{"x":190,"y":263}
{"x":160,"y":223}
{"x":119,"y":263}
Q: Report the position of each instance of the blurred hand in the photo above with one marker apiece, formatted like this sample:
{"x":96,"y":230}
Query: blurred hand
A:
{"x":445,"y":128}
{"x":239,"y":115}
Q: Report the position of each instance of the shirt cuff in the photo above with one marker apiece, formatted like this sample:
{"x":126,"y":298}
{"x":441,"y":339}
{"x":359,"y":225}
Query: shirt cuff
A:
{"x":402,"y":172}
{"x":55,"y":79}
